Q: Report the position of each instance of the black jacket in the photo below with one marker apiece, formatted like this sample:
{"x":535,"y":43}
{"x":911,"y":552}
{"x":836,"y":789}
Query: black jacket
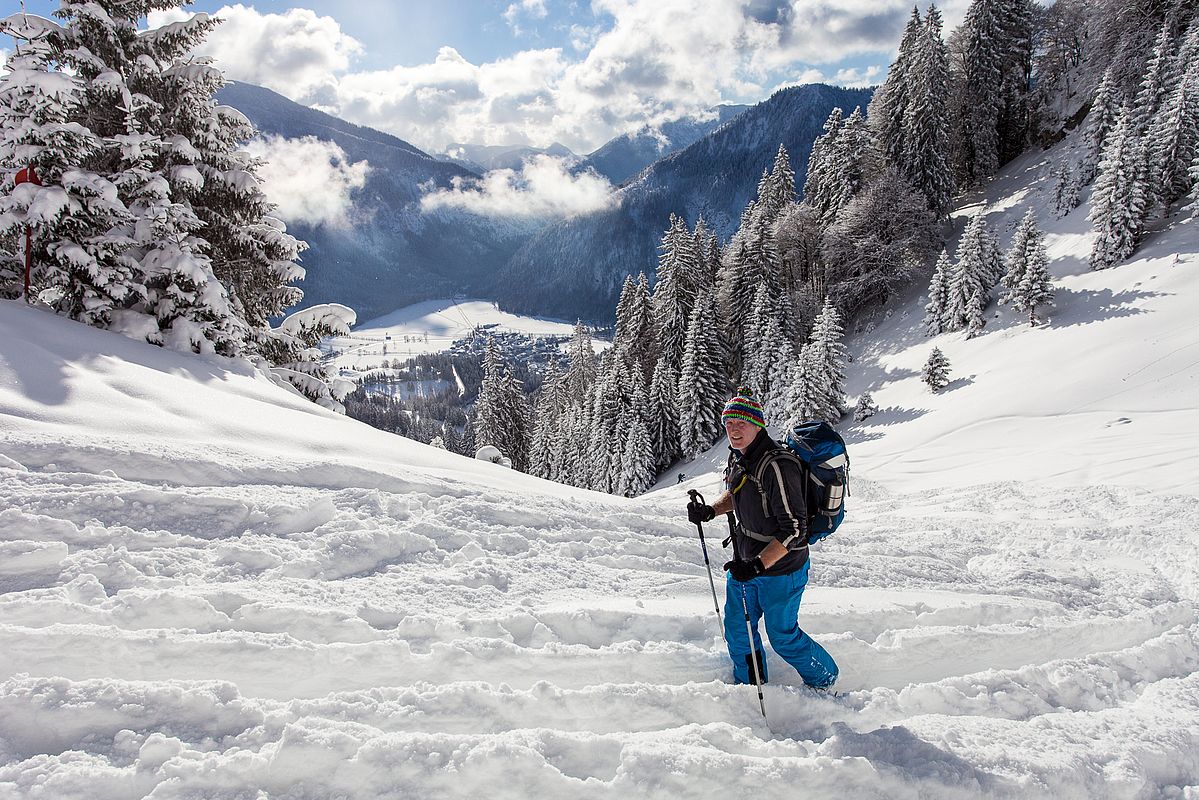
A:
{"x":785,"y":517}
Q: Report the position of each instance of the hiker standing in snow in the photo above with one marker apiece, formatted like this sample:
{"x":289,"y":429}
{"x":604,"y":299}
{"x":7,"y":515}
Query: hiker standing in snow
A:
{"x":770,"y":546}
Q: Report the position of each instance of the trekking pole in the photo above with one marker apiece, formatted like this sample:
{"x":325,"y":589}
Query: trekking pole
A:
{"x":696,"y":497}
{"x":749,"y":628}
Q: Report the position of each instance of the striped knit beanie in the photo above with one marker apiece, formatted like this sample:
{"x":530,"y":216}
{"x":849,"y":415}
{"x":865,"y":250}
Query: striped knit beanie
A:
{"x":744,"y":406}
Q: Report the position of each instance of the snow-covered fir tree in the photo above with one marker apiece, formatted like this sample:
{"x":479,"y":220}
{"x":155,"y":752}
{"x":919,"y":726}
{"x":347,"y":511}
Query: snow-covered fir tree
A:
{"x":889,"y":106}
{"x":1120,"y":199}
{"x":502,"y":413}
{"x":926,"y":151}
{"x":663,"y":423}
{"x":671,"y":300}
{"x":703,"y":384}
{"x":936,"y":311}
{"x":1028,"y":281}
{"x":826,"y":356}
{"x":637,"y":468}
{"x":763,"y":337}
{"x":978,"y":266}
{"x":1101,"y":120}
{"x":804,"y":396}
{"x":1174,"y":140}
{"x":490,"y":415}
{"x":935,"y":373}
{"x":865,"y":408}
{"x":991,"y":100}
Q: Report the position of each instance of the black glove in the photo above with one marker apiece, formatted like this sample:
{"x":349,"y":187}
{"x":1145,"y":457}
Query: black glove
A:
{"x":697,"y":512}
{"x":745,"y":570}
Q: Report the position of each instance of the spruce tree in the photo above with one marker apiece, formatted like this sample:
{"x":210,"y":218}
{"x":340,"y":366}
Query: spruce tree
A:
{"x":671,"y":303}
{"x":924,"y":158}
{"x":889,"y":106}
{"x":978,"y":267}
{"x":1027,"y":281}
{"x":865,"y":408}
{"x":935,"y":373}
{"x":701,"y":392}
{"x":827,"y":357}
{"x":1119,"y":201}
{"x":819,"y":189}
{"x":1174,"y":139}
{"x":489,"y":407}
{"x":663,"y":416}
{"x":936,"y":312}
{"x":1101,"y":120}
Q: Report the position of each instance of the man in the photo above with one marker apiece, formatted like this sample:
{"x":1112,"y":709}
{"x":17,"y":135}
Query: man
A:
{"x":770,"y":545}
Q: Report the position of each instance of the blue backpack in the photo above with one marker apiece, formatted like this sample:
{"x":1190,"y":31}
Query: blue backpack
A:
{"x":822,"y":457}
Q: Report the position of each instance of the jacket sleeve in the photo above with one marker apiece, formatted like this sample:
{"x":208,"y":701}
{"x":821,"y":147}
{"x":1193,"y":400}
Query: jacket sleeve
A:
{"x":786,"y":502}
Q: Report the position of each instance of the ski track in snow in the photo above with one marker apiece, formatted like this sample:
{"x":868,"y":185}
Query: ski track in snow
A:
{"x":179,"y":640}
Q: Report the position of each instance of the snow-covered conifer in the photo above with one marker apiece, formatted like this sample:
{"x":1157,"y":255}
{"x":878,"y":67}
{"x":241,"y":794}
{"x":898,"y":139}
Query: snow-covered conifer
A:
{"x":865,"y":408}
{"x":978,"y":267}
{"x":663,"y":415}
{"x":489,"y":407}
{"x":935,"y":373}
{"x":925,"y":154}
{"x":1101,"y":120}
{"x":804,"y":397}
{"x":1028,"y":281}
{"x":827,"y":357}
{"x":1174,"y":139}
{"x":1119,"y":201}
{"x":889,"y":106}
{"x":671,"y":303}
{"x":702,"y":382}
{"x":936,"y":312}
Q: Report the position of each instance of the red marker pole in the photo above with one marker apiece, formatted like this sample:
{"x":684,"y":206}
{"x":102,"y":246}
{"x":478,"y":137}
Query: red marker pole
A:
{"x":28,"y":175}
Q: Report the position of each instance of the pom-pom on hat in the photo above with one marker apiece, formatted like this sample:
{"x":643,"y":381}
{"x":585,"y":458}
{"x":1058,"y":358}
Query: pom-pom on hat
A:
{"x":744,"y":406}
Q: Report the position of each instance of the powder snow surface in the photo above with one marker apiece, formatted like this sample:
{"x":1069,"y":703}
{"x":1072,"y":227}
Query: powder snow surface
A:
{"x":211,"y":588}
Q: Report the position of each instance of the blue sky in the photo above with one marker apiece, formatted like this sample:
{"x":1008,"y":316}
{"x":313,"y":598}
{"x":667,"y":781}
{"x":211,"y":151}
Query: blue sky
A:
{"x":538,"y":71}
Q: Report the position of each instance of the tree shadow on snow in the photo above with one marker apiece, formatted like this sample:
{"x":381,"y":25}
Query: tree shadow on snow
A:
{"x":959,"y":383}
{"x":883,"y":418}
{"x":1083,"y":306}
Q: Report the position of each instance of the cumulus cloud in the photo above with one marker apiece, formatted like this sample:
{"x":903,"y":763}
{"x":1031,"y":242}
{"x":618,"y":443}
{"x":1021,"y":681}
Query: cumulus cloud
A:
{"x":297,"y":53}
{"x":310,"y":180}
{"x":869,"y":76}
{"x":544,"y":187}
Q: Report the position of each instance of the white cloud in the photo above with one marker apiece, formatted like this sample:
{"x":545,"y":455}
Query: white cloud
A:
{"x":870,"y":76}
{"x":533,"y":8}
{"x":297,"y":53}
{"x":543,"y":188}
{"x":308,"y":179}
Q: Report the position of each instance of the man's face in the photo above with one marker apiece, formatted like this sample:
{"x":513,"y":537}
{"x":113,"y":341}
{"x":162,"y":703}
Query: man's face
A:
{"x":741,"y":433}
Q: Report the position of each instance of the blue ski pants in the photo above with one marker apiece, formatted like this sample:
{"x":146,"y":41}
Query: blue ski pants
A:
{"x":774,"y":598}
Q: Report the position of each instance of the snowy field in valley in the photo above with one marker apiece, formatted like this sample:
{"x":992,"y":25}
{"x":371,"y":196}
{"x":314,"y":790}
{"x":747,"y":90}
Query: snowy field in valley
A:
{"x":211,"y":588}
{"x":431,"y":327}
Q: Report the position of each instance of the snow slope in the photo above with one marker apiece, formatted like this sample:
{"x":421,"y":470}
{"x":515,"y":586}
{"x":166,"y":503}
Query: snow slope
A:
{"x":1106,"y":392}
{"x":210,"y":588}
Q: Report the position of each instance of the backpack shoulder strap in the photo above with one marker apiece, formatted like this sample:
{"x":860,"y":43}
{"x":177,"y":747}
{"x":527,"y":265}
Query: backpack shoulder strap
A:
{"x":768,"y":458}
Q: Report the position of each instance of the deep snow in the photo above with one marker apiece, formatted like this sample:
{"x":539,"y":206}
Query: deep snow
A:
{"x":211,"y":588}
